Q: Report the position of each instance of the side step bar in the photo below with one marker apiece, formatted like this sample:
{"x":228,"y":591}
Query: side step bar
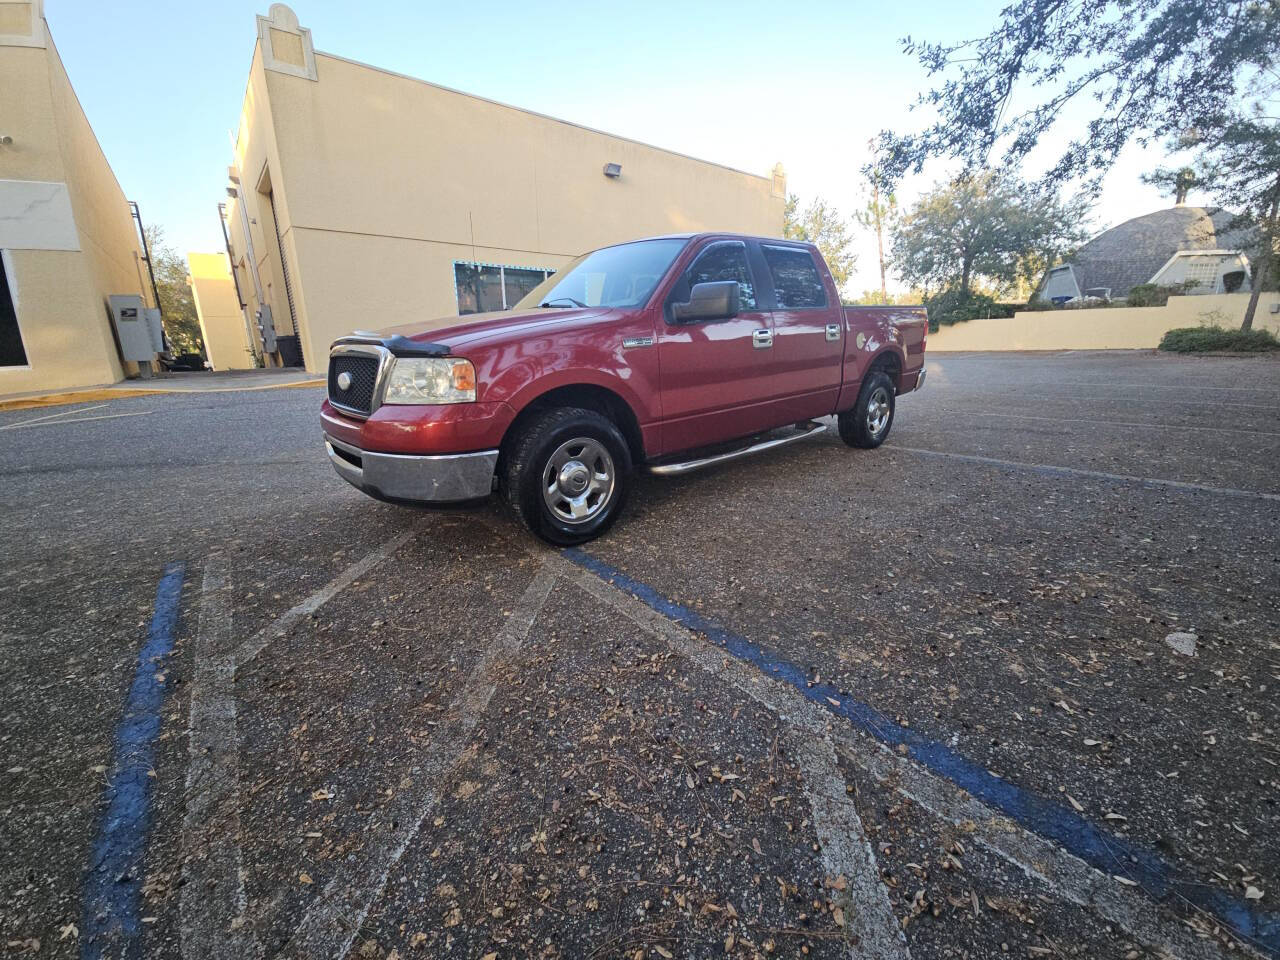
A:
{"x":809,"y":428}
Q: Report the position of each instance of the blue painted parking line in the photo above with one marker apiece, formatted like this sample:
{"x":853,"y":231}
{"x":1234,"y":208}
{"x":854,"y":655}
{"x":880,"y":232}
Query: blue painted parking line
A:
{"x":112,"y":921}
{"x":1091,"y":843}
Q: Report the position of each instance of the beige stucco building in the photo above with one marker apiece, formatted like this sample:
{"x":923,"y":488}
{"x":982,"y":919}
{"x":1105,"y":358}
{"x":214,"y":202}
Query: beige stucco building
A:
{"x":67,"y":236}
{"x":374,"y":199}
{"x":227,"y":340}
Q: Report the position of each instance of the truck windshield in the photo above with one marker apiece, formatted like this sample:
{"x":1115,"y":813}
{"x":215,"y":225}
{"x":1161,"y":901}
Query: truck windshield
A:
{"x":621,"y":276}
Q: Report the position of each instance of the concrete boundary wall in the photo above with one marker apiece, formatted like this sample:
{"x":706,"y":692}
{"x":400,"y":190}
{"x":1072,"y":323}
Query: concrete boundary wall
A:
{"x":1105,"y":328}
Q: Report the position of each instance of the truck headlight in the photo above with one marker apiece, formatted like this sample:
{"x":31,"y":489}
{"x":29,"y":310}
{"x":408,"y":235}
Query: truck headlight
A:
{"x":431,"y":380}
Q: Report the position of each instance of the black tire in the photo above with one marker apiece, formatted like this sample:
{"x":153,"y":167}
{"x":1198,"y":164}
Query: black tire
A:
{"x":595,"y":445}
{"x":856,"y":425}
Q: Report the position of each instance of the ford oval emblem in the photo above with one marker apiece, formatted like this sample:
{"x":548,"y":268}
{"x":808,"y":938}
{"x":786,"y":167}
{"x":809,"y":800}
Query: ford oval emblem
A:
{"x":344,"y":380}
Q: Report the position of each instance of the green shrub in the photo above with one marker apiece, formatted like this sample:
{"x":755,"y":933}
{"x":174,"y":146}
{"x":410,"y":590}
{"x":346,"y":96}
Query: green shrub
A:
{"x":1212,"y":339}
{"x":1149,"y":295}
{"x":1035,"y":304}
{"x":951,"y":306}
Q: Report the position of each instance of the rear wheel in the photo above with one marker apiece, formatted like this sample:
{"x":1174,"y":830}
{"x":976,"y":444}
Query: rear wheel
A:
{"x":567,"y":475}
{"x":867,"y":425}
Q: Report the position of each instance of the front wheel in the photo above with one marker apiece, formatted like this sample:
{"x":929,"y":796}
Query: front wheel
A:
{"x":867,"y":425}
{"x":567,"y":475}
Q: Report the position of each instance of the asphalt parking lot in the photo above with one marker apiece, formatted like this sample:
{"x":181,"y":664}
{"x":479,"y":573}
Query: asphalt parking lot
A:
{"x":920,"y":701}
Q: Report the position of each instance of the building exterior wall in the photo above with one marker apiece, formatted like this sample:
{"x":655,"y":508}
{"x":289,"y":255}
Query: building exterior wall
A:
{"x":222,"y":324}
{"x":61,"y":294}
{"x":256,"y":156}
{"x":1104,"y":328}
{"x":382,"y":181}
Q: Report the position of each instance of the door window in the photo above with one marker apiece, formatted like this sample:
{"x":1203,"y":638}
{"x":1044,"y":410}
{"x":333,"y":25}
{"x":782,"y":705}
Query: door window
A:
{"x":796,"y":280}
{"x":725,"y":261}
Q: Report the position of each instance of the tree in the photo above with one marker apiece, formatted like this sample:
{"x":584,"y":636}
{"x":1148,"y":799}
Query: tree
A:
{"x":822,"y":225}
{"x":987,"y":226}
{"x":1241,"y":161}
{"x":181,"y":322}
{"x":1238,"y":161}
{"x":1154,"y":68}
{"x":880,"y":214}
{"x":1169,"y":181}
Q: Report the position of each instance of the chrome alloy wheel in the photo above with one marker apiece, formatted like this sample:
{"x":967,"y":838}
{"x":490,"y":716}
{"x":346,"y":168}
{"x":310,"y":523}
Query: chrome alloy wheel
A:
{"x":877,"y":411}
{"x":578,"y":480}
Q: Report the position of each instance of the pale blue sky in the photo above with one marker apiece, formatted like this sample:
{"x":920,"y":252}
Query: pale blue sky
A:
{"x":742,"y":83}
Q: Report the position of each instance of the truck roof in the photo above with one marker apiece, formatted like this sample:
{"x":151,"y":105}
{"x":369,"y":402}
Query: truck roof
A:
{"x":717,"y":233}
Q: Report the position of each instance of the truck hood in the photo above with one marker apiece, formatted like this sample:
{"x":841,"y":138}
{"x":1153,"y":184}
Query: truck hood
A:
{"x":458,"y":332}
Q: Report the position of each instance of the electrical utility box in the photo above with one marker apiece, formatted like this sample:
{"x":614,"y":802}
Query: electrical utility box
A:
{"x":138,"y":330}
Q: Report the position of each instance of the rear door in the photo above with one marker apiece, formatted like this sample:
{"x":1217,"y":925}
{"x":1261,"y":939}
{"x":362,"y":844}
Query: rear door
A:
{"x":808,"y":346}
{"x":715,"y":372}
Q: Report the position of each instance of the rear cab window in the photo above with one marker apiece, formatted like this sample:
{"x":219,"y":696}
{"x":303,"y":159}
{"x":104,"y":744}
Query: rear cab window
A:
{"x":797,"y":282}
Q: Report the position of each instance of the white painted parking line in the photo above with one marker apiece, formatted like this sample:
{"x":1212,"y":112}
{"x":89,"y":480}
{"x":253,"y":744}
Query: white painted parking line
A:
{"x":1116,"y":423}
{"x":870,"y":927}
{"x":1184,"y":385}
{"x":1024,"y":398}
{"x":62,"y":423}
{"x":258,"y":642}
{"x":837,"y":824}
{"x":1064,"y":874}
{"x":334,"y":920}
{"x":212,"y":905}
{"x":1049,"y":469}
{"x":51,"y":416}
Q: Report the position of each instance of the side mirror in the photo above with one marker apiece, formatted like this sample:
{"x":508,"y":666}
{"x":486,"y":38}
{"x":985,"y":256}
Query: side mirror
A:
{"x":708,"y":301}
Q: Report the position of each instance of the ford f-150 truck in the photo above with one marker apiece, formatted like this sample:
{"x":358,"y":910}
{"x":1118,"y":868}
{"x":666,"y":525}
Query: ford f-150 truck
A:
{"x":672,"y":353}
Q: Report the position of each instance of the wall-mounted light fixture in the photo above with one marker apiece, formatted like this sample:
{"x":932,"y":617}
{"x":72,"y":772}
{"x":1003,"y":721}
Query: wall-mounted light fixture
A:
{"x":232,"y":192}
{"x":5,"y":140}
{"x":613,"y":170}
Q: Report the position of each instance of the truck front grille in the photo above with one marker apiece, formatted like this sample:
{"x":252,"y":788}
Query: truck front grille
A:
{"x":358,"y":394}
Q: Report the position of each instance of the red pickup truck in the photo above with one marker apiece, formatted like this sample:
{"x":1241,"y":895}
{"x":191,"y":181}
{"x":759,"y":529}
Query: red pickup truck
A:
{"x":673,"y":353}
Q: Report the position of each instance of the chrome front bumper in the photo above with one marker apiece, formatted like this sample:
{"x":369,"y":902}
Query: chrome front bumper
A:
{"x":397,"y":476}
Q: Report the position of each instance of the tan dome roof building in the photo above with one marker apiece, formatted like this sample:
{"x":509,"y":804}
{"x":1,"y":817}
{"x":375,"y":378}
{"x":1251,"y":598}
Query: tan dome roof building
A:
{"x":1167,"y":248}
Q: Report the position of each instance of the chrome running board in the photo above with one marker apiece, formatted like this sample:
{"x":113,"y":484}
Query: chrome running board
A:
{"x":809,"y":428}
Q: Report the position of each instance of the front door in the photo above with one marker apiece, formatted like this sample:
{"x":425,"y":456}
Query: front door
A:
{"x":715,"y":372}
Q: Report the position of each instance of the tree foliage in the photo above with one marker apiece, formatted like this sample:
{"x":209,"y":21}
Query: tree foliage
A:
{"x":1173,"y":182}
{"x":906,"y":298}
{"x":181,"y":322}
{"x":880,"y":215}
{"x":1241,"y":160}
{"x":988,"y":227}
{"x":1154,"y":69}
{"x":822,"y":225}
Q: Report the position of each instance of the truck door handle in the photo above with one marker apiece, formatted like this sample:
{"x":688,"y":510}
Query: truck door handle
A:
{"x":762,"y":339}
{"x":833,"y":331}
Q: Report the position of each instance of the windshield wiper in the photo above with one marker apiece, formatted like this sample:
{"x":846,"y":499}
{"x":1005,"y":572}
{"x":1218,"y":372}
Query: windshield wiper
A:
{"x":552,"y":302}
